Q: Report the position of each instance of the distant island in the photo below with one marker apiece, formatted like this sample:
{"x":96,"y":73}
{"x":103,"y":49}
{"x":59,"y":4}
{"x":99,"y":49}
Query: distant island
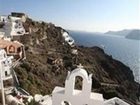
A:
{"x":121,"y":32}
{"x":130,"y":34}
{"x":135,"y":34}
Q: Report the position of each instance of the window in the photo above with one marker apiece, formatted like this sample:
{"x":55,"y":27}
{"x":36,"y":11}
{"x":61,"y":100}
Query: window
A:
{"x":11,"y":49}
{"x":19,"y":49}
{"x":6,"y":73}
{"x":70,"y":40}
{"x":16,"y":26}
{"x":65,"y":103}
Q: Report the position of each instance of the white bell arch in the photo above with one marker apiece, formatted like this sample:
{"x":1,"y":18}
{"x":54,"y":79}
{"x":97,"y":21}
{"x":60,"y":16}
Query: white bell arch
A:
{"x":70,"y":82}
{"x":77,"y":97}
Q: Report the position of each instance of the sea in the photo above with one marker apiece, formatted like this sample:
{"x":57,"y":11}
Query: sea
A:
{"x":125,"y":50}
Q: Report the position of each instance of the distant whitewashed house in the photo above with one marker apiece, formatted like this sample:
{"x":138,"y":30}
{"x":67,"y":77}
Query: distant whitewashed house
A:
{"x":3,"y":18}
{"x":13,"y":48}
{"x":2,"y":34}
{"x":11,"y":26}
{"x":71,"y":96}
{"x":68,"y":39}
{"x":74,"y":51}
{"x":23,"y":16}
{"x":115,"y":101}
{"x":16,"y":27}
{"x":5,"y":65}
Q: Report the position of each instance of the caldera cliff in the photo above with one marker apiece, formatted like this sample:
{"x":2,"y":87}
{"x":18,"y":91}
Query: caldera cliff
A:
{"x":49,"y":58}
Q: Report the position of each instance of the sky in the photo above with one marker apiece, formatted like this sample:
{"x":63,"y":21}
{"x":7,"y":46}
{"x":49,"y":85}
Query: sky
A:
{"x":81,"y":15}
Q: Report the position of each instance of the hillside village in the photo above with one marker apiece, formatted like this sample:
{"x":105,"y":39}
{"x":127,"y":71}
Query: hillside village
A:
{"x":40,"y":63}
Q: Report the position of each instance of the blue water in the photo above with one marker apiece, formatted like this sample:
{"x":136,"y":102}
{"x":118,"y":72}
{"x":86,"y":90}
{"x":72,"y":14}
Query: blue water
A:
{"x":122,"y":49}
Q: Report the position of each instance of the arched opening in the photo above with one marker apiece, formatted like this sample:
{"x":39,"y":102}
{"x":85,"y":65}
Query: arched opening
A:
{"x":11,"y":49}
{"x":78,"y":83}
{"x":65,"y":103}
{"x":6,"y":73}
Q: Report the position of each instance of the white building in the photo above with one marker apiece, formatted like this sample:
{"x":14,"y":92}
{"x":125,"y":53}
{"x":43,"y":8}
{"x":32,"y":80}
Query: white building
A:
{"x":23,"y":16}
{"x":3,"y":18}
{"x":15,"y":27}
{"x":68,"y":39}
{"x":115,"y":101}
{"x":12,"y":26}
{"x":2,"y":34}
{"x":70,"y":96}
{"x":74,"y":51}
{"x":5,"y":64}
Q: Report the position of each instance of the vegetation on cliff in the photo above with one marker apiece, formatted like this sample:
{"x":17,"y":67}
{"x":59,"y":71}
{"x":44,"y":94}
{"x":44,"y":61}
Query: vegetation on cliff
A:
{"x":49,"y":58}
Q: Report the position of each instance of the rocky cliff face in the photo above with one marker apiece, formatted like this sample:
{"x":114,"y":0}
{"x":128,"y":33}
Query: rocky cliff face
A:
{"x":134,"y":34}
{"x":49,"y":58}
